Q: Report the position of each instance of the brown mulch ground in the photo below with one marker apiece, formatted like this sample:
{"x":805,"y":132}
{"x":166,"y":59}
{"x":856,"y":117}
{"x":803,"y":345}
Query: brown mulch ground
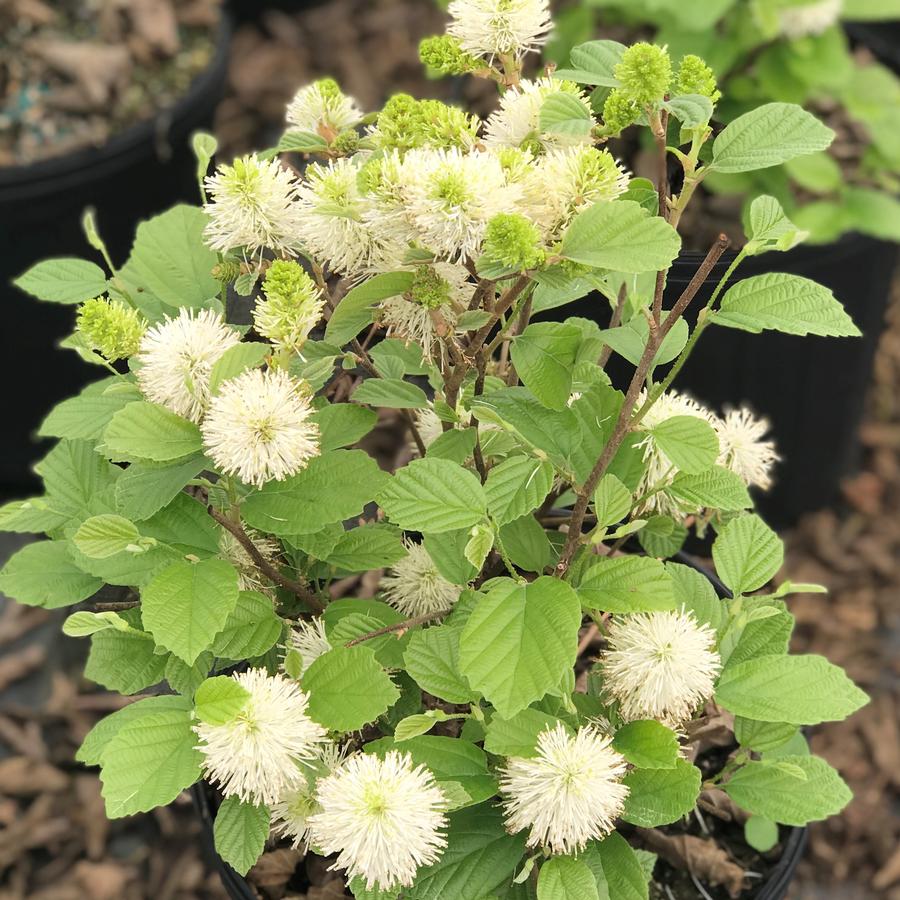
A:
{"x":55,"y":842}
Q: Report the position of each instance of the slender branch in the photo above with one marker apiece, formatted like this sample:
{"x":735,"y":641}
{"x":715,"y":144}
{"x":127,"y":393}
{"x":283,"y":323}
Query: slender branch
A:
{"x":660,"y":125}
{"x":405,"y":625}
{"x":614,"y":322}
{"x":116,"y":606}
{"x":261,"y":563}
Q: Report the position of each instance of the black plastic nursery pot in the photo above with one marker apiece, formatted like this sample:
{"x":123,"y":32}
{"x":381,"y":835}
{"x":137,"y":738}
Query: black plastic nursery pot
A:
{"x":811,"y":389}
{"x":774,"y":887}
{"x":139,"y":172}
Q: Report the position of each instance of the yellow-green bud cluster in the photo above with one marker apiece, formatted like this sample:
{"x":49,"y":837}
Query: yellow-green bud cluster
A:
{"x":405,"y":123}
{"x":444,"y":54}
{"x":110,"y":327}
{"x":619,"y":111}
{"x":696,"y":77}
{"x":292,"y":306}
{"x":347,"y":142}
{"x":329,"y":89}
{"x":226,"y":271}
{"x":429,"y":289}
{"x":644,"y":73}
{"x":513,"y":241}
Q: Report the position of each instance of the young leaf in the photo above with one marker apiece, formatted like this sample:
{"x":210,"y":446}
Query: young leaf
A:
{"x":295,"y":140}
{"x":433,"y":495}
{"x":770,"y":228}
{"x":771,"y":790}
{"x":187,"y":604}
{"x":516,"y":487}
{"x":219,"y":699}
{"x":716,"y":488}
{"x":354,"y":311}
{"x":800,"y":690}
{"x":647,"y":744}
{"x":626,"y":584}
{"x":85,"y":623}
{"x":689,"y":442}
{"x":237,"y":359}
{"x":593,"y":63}
{"x":480,"y":543}
{"x":147,"y":431}
{"x":747,"y":553}
{"x":65,"y":280}
{"x":563,"y":113}
{"x":620,"y":235}
{"x":661,"y":796}
{"x":394,"y":393}
{"x":519,"y":641}
{"x":768,"y":136}
{"x":544,"y":355}
{"x":45,"y":574}
{"x":566,"y":878}
{"x":612,"y":500}
{"x":692,"y":110}
{"x":348,"y":688}
{"x":240,"y":833}
{"x":102,"y":536}
{"x":760,"y":833}
{"x":787,"y":303}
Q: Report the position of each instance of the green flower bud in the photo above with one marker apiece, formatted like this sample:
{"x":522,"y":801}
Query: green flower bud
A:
{"x":696,"y":77}
{"x":347,"y":142}
{"x":429,"y":289}
{"x":619,"y":111}
{"x":292,"y":307}
{"x":110,"y":327}
{"x":329,"y":89}
{"x":226,"y":271}
{"x":445,"y":55}
{"x":645,"y":72}
{"x":443,"y":126}
{"x":514,"y":241}
{"x":398,"y":123}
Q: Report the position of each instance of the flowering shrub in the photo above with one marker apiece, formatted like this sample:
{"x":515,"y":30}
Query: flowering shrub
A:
{"x":790,"y":51}
{"x":534,"y":670}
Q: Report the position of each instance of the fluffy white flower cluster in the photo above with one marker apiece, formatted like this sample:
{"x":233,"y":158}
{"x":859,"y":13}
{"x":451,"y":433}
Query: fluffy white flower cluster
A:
{"x":742,"y":449}
{"x":498,"y":28}
{"x":803,"y":19}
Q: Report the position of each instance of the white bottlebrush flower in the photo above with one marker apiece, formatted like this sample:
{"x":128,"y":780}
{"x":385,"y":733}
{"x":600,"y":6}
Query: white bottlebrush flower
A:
{"x":658,"y":468}
{"x":429,"y":425}
{"x":259,"y":754}
{"x":253,"y":206}
{"x":249,"y":576}
{"x":176,"y":357}
{"x":450,"y":197}
{"x":308,"y":640}
{"x":384,"y":817}
{"x":258,"y":427}
{"x":292,"y":306}
{"x":290,"y":814}
{"x":496,"y":28}
{"x":415,"y":587}
{"x":810,"y":18}
{"x":334,"y":228}
{"x":567,"y":180}
{"x":742,"y":448}
{"x":569,"y":793}
{"x":660,"y":665}
{"x":517,"y":123}
{"x":321,"y":108}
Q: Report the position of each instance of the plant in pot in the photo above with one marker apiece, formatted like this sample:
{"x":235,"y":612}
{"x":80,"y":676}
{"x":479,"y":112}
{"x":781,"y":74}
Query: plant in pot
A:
{"x":475,"y":667}
{"x":774,"y":52}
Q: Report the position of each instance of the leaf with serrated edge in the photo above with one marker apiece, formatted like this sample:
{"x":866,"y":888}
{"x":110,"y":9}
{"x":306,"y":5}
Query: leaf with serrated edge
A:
{"x":627,"y":584}
{"x":432,"y":659}
{"x":747,"y":553}
{"x":661,"y":796}
{"x":566,"y":878}
{"x":240,"y":833}
{"x":516,"y":487}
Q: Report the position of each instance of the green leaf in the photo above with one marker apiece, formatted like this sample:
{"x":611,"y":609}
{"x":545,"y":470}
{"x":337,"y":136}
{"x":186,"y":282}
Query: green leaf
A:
{"x":394,"y":358}
{"x":747,"y":554}
{"x":171,"y":262}
{"x":517,"y":735}
{"x":630,"y":340}
{"x":102,"y":536}
{"x":621,"y":235}
{"x":240,"y":833}
{"x":692,"y":110}
{"x":627,"y":584}
{"x":769,"y":789}
{"x":479,"y":857}
{"x":417,"y":725}
{"x":433,"y":495}
{"x":593,"y":63}
{"x":186,"y":679}
{"x":432,"y":659}
{"x":394,"y":393}
{"x":147,"y":431}
{"x":86,"y":415}
{"x":564,"y":113}
{"x":787,"y":303}
{"x":762,"y":736}
{"x":612,"y":500}
{"x":519,"y":641}
{"x":760,"y":833}
{"x":690,"y":443}
{"x":517,"y":486}
{"x":65,"y":280}
{"x":348,"y":688}
{"x":219,"y":699}
{"x":124,"y":661}
{"x":446,"y":552}
{"x":149,"y":762}
{"x":187,"y":604}
{"x":647,"y":744}
{"x":616,"y":868}
{"x":31,"y":516}
{"x":770,"y":228}
{"x":565,"y":878}
{"x":768,"y":136}
{"x":237,"y":359}
{"x":145,"y":488}
{"x":716,"y":488}
{"x":44,"y":574}
{"x":661,"y":796}
{"x":85,"y":623}
{"x":526,"y":543}
{"x":354,"y":311}
{"x":74,"y":476}
{"x":251,"y":629}
{"x":800,"y":690}
{"x":873,"y":212}
{"x":333,"y":487}
{"x":373,"y":546}
{"x":544,"y":355}
{"x":662,"y":537}
{"x":295,"y":140}
{"x":480,"y":543}
{"x":696,"y":594}
{"x":457,"y":445}
{"x":343,"y":424}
